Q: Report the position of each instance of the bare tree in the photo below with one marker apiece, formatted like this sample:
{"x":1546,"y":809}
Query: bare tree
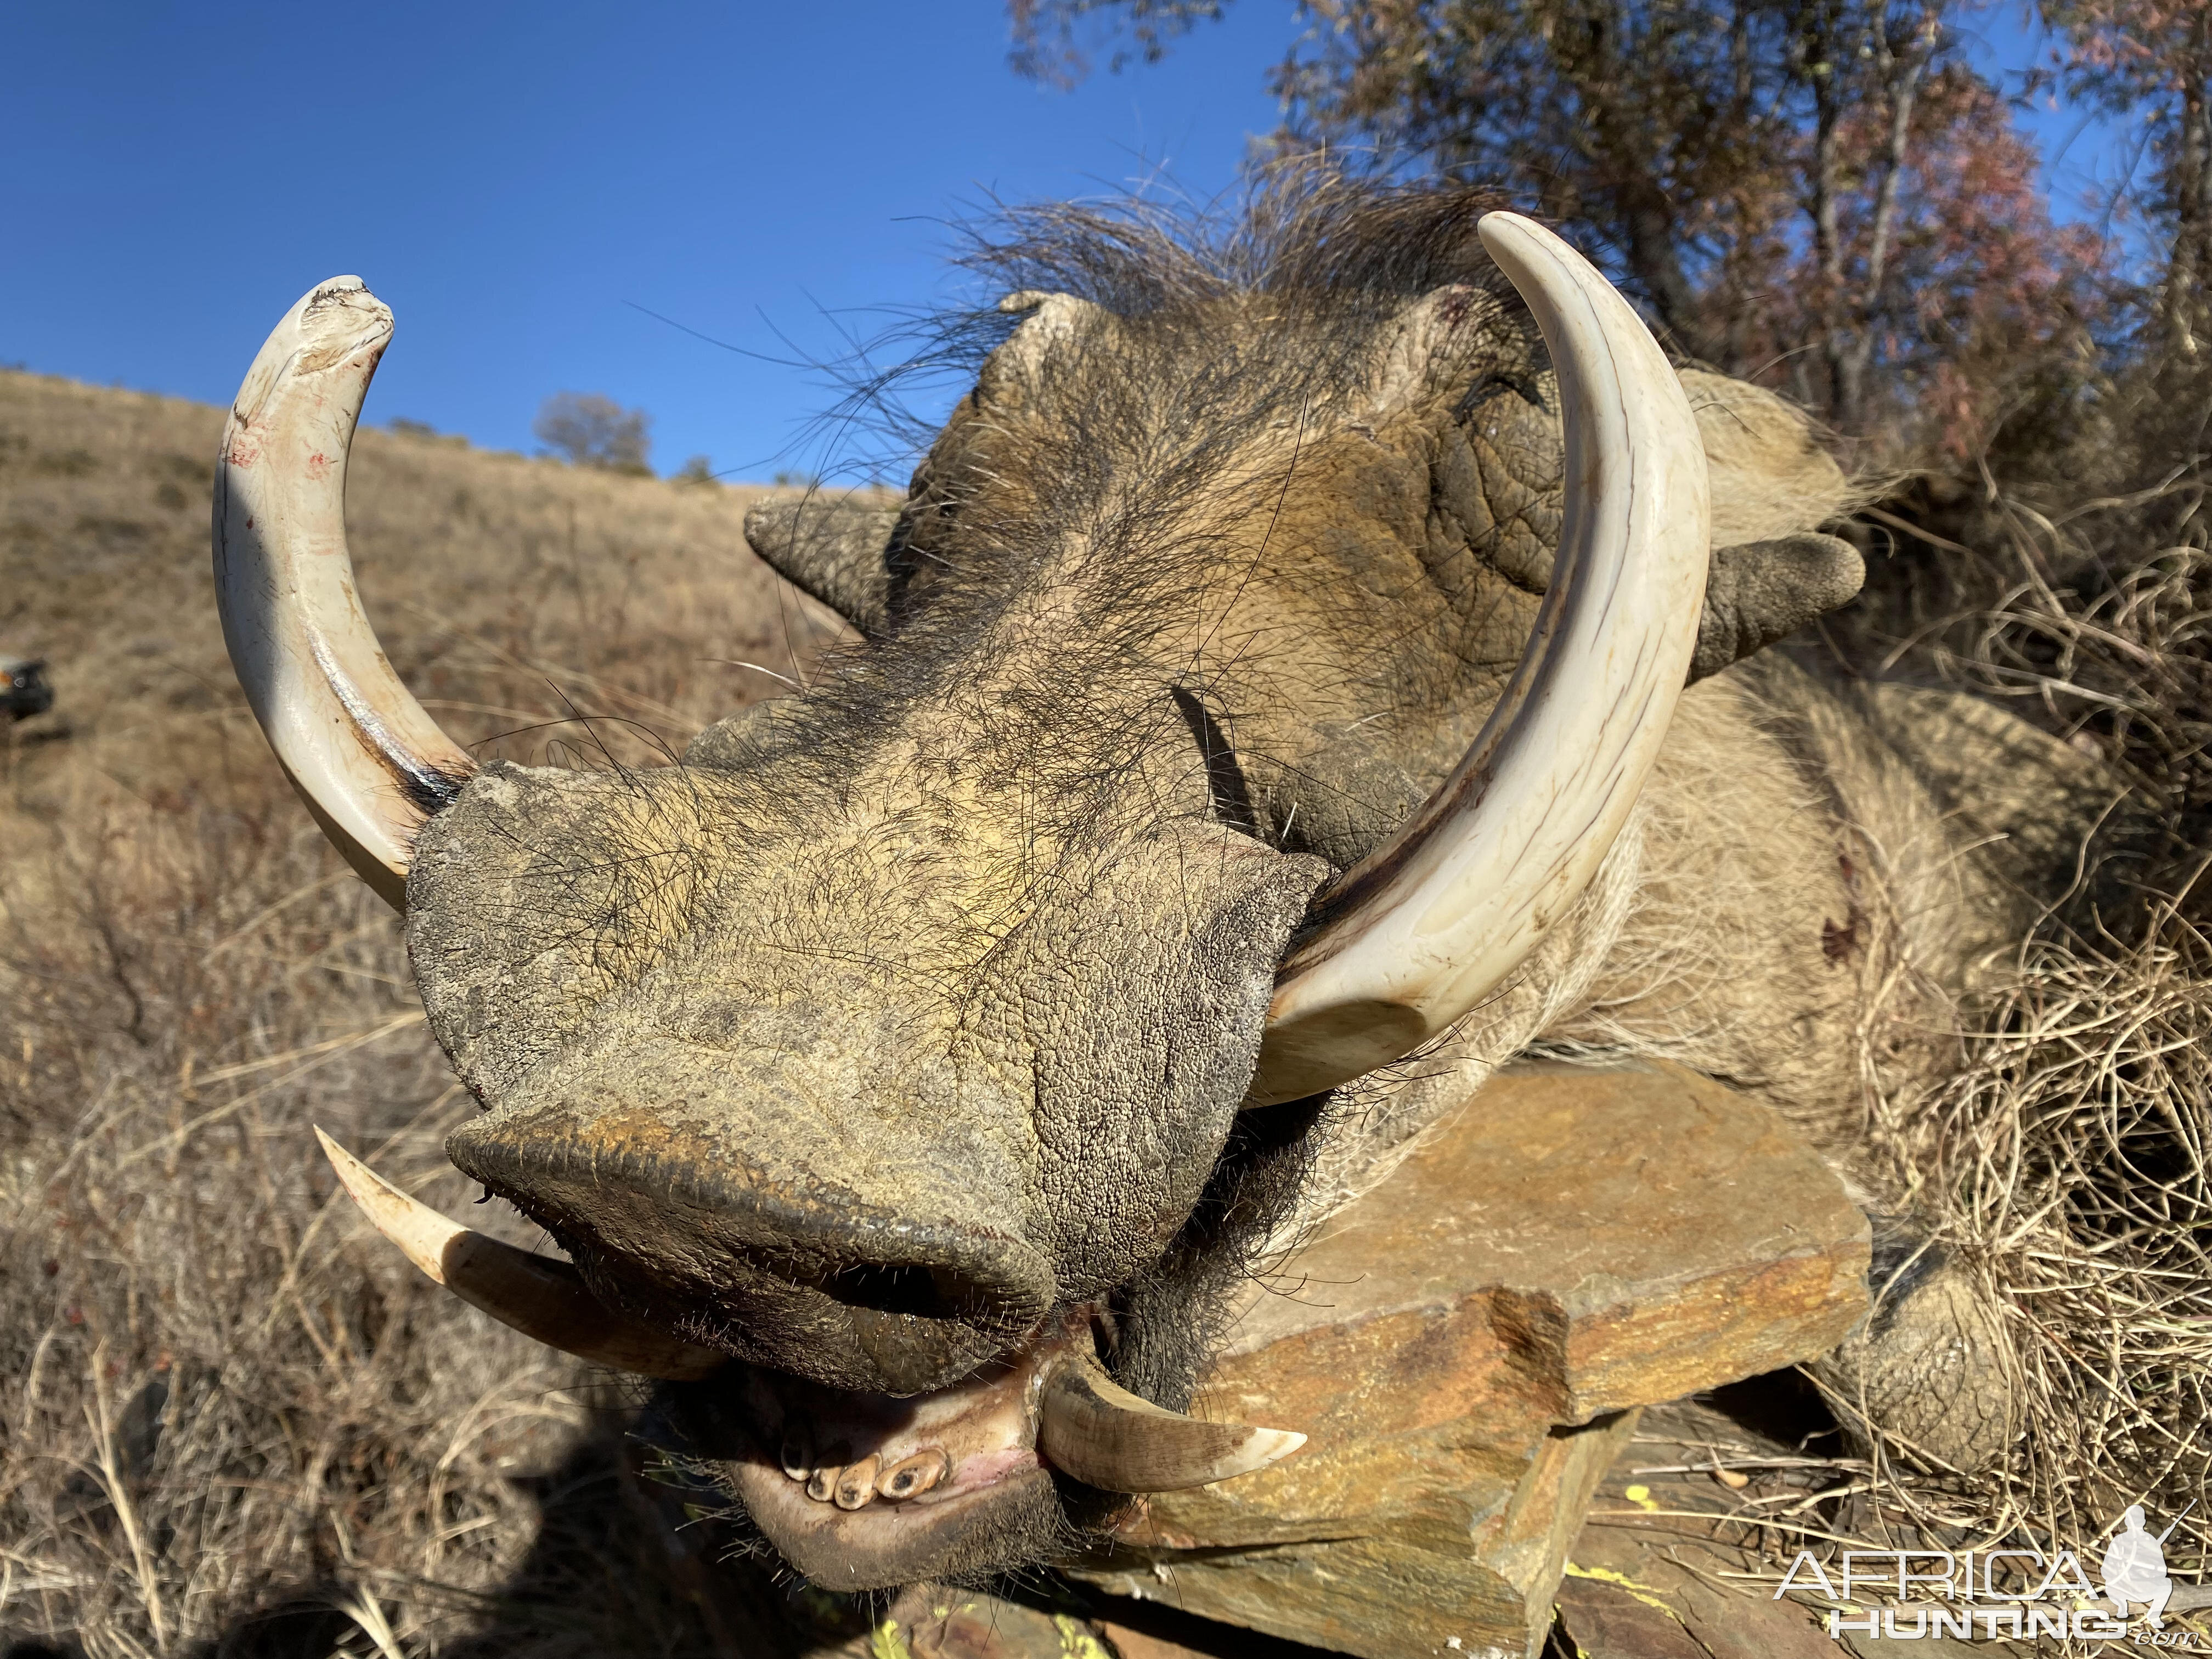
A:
{"x":2151,"y":60}
{"x":1046,"y":46}
{"x":588,"y":428}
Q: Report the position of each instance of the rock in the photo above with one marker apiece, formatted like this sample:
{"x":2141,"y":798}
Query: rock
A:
{"x":932,"y":1622}
{"x":1466,"y":1346}
{"x":1676,"y":1570}
{"x":1460,"y":1558}
{"x":1128,"y":1643}
{"x":936,"y":1621}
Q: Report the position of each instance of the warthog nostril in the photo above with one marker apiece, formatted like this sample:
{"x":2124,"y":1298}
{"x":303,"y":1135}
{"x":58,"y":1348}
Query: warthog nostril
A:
{"x":900,"y":1290}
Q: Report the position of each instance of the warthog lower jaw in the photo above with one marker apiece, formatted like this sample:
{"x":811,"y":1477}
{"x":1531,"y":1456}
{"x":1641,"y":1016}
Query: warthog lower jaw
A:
{"x":860,"y":1491}
{"x":866,"y":1491}
{"x":853,"y":1450}
{"x":1053,"y":1404}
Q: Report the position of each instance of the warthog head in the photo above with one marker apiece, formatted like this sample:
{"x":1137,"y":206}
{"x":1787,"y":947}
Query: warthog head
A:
{"x":908,"y":1073}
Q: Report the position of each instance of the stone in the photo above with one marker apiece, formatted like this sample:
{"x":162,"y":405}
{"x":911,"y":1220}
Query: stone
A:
{"x":1674,"y":1562}
{"x":1466,"y":1346}
{"x":932,"y":1622}
{"x":936,"y":1621}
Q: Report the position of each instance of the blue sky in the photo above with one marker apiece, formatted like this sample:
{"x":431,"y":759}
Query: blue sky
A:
{"x":515,"y":181}
{"x":2083,"y":154}
{"x":524,"y":184}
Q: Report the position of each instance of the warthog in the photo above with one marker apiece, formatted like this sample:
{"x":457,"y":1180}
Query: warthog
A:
{"x":1296,"y":654}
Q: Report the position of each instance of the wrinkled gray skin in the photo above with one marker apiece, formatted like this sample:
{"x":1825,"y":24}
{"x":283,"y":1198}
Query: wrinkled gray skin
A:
{"x":914,"y":1013}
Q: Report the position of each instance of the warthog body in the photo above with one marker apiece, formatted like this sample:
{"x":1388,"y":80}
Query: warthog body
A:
{"x":898,"y":1037}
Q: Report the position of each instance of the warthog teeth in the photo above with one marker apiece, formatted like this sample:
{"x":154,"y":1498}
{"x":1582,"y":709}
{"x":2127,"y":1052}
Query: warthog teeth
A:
{"x":822,"y":1483}
{"x":796,"y":1455}
{"x":1094,"y":1429}
{"x":856,"y":1487}
{"x":537,"y":1295}
{"x":911,"y":1477}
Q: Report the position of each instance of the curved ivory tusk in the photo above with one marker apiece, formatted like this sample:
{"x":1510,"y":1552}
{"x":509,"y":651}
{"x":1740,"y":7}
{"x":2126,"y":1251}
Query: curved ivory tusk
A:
{"x":1429,"y":923}
{"x":541,"y":1297}
{"x":371,"y":765}
{"x":1094,"y":1429}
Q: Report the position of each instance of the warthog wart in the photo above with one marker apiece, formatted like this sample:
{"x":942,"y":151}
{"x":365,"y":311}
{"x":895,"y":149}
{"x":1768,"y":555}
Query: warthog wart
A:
{"x":1296,"y":657}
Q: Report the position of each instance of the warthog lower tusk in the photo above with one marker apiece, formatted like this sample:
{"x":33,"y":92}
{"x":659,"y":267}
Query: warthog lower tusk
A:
{"x":539,"y":1297}
{"x":1094,"y":1429}
{"x":1433,"y":920}
{"x":371,"y":765}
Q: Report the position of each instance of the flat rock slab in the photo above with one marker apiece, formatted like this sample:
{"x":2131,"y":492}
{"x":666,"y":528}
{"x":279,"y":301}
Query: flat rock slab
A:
{"x":1670,"y":1563}
{"x":937,"y":1622}
{"x":1466,"y":1346}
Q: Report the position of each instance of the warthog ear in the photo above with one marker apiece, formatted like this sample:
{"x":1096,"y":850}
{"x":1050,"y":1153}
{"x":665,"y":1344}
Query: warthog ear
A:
{"x":1434,"y":338}
{"x":835,"y":549}
{"x":1757,"y":593}
{"x":1047,"y":320}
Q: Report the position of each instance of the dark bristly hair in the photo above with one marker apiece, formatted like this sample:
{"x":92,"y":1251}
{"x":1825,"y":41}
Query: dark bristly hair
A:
{"x":1340,"y":251}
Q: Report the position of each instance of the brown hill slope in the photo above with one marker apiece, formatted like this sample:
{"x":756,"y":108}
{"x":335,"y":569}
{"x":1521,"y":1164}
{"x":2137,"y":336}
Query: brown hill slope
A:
{"x":488,"y":574}
{"x":222,"y":1410}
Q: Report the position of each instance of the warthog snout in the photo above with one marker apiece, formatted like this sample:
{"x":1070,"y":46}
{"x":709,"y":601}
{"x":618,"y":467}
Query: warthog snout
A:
{"x":823,"y":1261}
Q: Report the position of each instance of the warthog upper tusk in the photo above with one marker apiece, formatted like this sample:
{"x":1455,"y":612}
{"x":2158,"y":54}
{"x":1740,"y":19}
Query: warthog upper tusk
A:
{"x":1433,"y":920}
{"x":537,"y":1295}
{"x":371,"y":765}
{"x":1094,"y":1429}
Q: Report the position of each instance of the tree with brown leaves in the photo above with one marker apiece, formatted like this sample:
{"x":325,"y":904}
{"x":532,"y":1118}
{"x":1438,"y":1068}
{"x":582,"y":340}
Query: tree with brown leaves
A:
{"x":1823,"y":194}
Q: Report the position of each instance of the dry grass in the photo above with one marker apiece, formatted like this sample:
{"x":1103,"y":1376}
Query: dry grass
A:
{"x":2067,"y":1161}
{"x":228,"y":1423}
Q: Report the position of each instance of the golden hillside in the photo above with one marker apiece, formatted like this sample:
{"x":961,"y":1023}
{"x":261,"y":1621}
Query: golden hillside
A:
{"x":488,"y":574}
{"x":229,"y":1421}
